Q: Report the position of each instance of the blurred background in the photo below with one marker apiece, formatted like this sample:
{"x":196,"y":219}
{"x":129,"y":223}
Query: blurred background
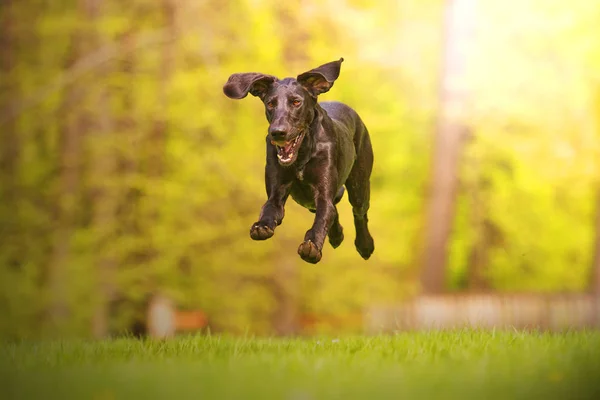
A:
{"x":128,"y":179}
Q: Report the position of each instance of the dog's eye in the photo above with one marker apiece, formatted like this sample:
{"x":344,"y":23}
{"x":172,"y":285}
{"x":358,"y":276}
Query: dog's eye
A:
{"x":271,"y":104}
{"x":296,"y":103}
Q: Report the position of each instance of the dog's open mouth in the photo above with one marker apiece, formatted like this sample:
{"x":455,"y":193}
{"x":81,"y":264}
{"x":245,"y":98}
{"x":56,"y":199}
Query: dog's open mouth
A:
{"x":288,"y":151}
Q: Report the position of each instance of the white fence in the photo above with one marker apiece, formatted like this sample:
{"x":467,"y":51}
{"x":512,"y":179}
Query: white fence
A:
{"x":502,"y":311}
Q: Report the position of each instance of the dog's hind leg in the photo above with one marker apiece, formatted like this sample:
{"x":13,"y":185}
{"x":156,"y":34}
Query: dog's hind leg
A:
{"x":339,"y":195}
{"x":336,"y":232}
{"x":358,"y":186}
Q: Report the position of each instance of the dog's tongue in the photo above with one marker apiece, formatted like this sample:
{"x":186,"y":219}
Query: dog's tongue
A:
{"x":285,"y":150}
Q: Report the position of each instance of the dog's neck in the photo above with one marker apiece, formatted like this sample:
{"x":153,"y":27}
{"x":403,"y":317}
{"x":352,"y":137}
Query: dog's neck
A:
{"x":309,"y":144}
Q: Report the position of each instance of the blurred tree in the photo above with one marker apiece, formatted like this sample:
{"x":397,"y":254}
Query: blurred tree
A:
{"x":480,"y":223}
{"x":102,"y":171}
{"x":73,"y":129}
{"x":11,"y":237}
{"x":595,"y":270}
{"x":157,"y":140}
{"x":594,"y":285}
{"x":450,"y":133}
{"x":10,"y":149}
{"x":9,"y":155}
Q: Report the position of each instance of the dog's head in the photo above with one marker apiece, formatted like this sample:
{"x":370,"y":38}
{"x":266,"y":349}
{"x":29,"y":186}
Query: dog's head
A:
{"x":289,"y":103}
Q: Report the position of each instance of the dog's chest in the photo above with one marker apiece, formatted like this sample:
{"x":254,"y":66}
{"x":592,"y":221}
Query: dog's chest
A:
{"x":300,"y":174}
{"x":303,"y":194}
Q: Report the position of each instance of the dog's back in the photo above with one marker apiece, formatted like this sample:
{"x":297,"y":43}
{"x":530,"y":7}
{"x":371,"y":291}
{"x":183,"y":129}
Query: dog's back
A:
{"x":344,"y":115}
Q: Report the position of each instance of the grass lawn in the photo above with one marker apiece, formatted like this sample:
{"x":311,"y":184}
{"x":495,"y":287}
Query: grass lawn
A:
{"x":461,"y":364}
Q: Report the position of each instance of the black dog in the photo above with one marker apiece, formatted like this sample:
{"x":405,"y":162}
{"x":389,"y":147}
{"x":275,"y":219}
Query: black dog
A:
{"x":313,"y":150}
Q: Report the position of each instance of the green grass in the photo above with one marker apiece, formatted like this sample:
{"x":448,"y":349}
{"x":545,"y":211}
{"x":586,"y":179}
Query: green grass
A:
{"x":434,"y":365}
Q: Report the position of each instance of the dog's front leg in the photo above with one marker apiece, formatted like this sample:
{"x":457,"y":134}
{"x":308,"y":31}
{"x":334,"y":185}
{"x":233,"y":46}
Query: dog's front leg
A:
{"x":278,"y":190}
{"x":271,"y":213}
{"x":311,"y":249}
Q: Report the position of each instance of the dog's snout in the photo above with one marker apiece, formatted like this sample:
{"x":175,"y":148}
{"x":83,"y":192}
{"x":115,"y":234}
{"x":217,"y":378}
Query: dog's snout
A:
{"x":278,"y":133}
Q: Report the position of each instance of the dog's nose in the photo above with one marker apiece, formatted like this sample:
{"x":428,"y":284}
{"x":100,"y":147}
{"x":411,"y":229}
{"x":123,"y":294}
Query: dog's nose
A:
{"x":278,"y":134}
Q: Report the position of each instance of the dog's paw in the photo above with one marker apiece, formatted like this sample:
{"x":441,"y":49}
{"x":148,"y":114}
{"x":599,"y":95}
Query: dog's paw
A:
{"x":365,"y":246}
{"x":309,"y":252}
{"x":261,"y":232}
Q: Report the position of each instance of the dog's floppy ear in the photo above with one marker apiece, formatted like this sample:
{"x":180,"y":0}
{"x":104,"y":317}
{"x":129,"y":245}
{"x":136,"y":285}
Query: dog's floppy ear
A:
{"x":239,"y":85}
{"x":320,"y":79}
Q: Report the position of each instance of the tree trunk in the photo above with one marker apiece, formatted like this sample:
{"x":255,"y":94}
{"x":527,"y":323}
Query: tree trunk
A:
{"x":595,"y":274}
{"x":479,"y":256}
{"x":10,"y":148}
{"x":450,"y":131}
{"x":102,"y":170}
{"x":68,"y":188}
{"x":158,"y":138}
{"x":128,"y":165}
{"x":9,"y":152}
{"x":153,"y":160}
{"x":595,"y":271}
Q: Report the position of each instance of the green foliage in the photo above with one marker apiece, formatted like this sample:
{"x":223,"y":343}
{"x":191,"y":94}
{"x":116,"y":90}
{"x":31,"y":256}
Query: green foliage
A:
{"x":533,"y":162}
{"x":135,"y":175}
